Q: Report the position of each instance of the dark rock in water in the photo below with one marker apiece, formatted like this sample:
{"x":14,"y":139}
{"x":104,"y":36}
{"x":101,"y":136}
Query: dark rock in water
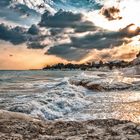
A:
{"x":96,"y":85}
{"x":18,"y":126}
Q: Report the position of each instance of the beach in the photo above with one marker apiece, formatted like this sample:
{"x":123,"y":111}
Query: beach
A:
{"x":22,"y":127}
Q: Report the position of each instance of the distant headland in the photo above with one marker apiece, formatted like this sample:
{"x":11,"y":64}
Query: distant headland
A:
{"x":95,"y":65}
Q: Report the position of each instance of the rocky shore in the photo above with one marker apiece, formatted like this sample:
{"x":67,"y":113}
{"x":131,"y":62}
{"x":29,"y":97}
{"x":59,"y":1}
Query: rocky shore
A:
{"x":95,"y":85}
{"x":102,"y":82}
{"x":17,"y":126}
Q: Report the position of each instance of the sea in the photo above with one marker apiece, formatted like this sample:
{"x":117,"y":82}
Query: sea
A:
{"x":49,"y":95}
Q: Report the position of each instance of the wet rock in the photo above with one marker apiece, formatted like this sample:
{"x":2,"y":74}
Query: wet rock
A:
{"x":96,"y":85}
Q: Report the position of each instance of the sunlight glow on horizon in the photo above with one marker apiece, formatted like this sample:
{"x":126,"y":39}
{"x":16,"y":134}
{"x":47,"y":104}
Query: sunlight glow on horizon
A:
{"x":21,"y":58}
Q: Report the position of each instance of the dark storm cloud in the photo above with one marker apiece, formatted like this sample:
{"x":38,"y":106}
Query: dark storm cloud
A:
{"x":56,"y":31}
{"x":95,"y":41}
{"x":13,"y":35}
{"x":19,"y":35}
{"x":33,"y":30}
{"x":111,"y":13}
{"x":63,"y":19}
{"x":104,"y":39}
{"x":36,"y":45}
{"x":99,"y":40}
{"x":67,"y":51}
{"x":86,"y":26}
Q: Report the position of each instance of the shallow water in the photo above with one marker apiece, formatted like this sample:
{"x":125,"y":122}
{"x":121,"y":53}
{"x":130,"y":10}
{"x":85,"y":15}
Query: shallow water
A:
{"x":49,"y":95}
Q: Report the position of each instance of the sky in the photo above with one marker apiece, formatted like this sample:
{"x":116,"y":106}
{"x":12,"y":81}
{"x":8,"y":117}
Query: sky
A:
{"x":36,"y":33}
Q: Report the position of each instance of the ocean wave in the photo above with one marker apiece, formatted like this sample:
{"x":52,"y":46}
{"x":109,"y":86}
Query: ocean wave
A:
{"x":60,"y":96}
{"x":56,"y":101}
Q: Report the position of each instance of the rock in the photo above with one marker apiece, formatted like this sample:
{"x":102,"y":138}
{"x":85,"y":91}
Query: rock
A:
{"x":18,"y":126}
{"x":95,"y":85}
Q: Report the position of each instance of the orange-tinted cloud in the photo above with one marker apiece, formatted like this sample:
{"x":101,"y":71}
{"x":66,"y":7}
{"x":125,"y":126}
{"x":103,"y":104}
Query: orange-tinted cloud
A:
{"x":124,"y":52}
{"x":111,"y":13}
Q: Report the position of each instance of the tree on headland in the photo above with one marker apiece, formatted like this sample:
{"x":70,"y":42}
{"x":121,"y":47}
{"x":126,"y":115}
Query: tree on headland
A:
{"x":89,"y":65}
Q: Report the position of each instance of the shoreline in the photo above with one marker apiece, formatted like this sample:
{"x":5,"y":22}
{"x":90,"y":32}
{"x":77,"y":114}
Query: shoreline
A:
{"x":19,"y":126}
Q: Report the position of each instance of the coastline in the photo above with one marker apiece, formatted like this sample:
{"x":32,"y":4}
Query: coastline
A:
{"x":19,"y":126}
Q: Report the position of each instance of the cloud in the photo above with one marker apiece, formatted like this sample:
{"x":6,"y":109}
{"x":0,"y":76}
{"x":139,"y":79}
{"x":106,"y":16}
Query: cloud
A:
{"x":36,"y":45}
{"x":131,"y":30}
{"x":83,"y":45}
{"x":86,"y":26}
{"x":123,"y":52}
{"x":105,"y":56}
{"x":20,"y":14}
{"x":34,"y":30}
{"x":63,"y":19}
{"x":19,"y":35}
{"x":104,"y":39}
{"x":68,"y":35}
{"x":77,"y":4}
{"x":111,"y":13}
{"x":100,"y":40}
{"x":13,"y":35}
{"x":67,"y":51}
{"x":127,"y":55}
{"x":4,"y":2}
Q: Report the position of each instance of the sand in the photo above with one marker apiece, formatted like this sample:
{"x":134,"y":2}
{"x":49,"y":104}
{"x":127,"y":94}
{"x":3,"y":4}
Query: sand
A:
{"x":18,"y":126}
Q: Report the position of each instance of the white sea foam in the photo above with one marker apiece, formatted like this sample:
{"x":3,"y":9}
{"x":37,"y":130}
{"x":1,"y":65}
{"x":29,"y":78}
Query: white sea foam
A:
{"x":56,"y":100}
